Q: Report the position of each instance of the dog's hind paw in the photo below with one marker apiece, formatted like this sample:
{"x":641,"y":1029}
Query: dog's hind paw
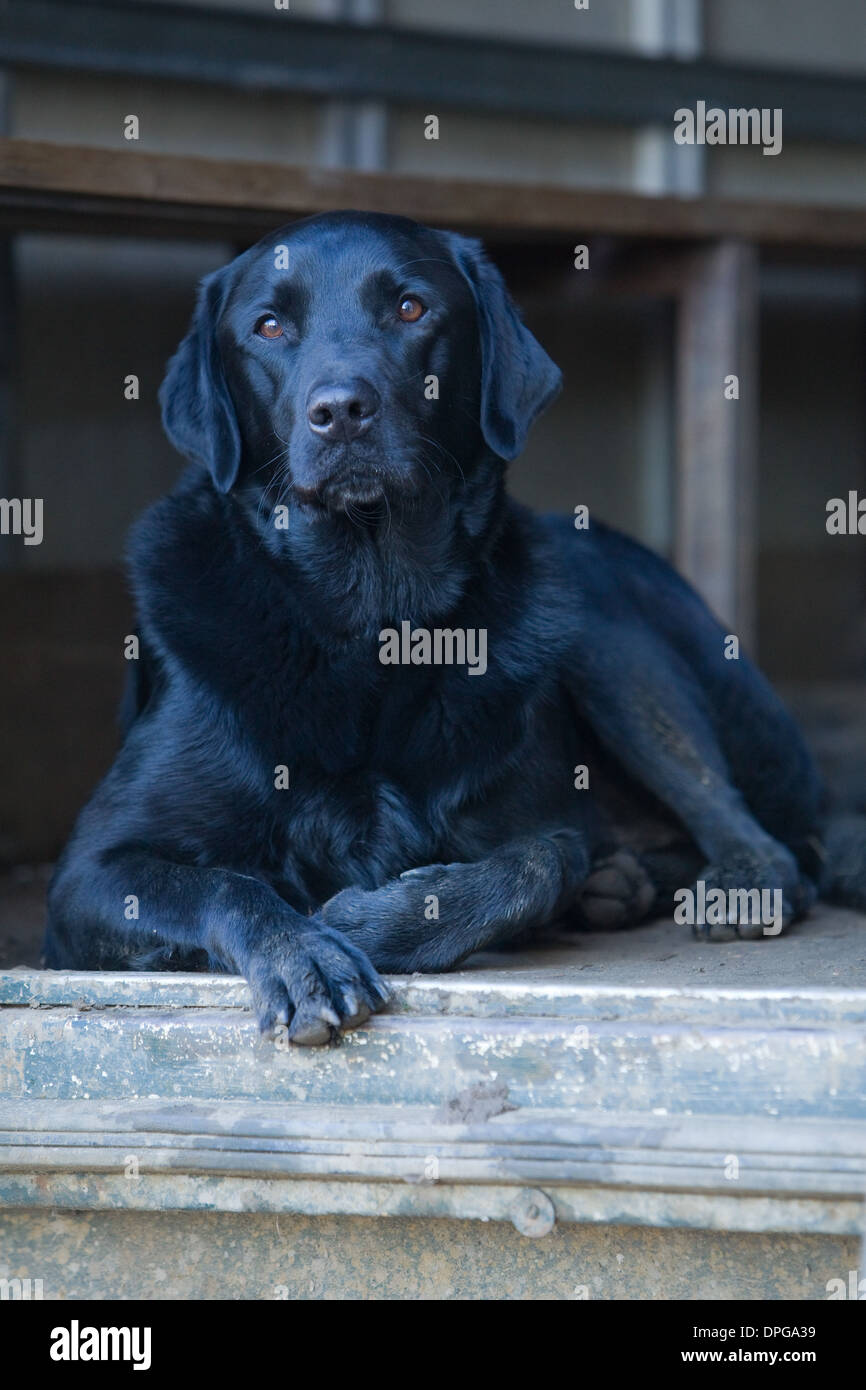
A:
{"x":618,"y":892}
{"x":750,"y":896}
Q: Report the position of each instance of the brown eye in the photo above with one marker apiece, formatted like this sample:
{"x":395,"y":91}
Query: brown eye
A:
{"x":411,"y":309}
{"x":268,"y":327}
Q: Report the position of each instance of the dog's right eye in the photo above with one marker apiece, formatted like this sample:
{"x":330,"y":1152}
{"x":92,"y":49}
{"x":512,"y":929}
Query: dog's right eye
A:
{"x":410,"y":309}
{"x":269,"y":327}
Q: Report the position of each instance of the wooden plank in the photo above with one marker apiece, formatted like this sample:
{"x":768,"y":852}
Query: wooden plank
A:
{"x":71,"y":184}
{"x":715,"y":541}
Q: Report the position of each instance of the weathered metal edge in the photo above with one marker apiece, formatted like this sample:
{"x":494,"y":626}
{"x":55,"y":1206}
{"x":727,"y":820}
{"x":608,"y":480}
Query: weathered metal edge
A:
{"x":331,"y":1160}
{"x":462,"y":994}
{"x":591,"y":1204}
{"x":266,"y":1121}
{"x":619,"y":1169}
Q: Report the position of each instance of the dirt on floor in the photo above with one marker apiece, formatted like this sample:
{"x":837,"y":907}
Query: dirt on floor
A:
{"x":828,"y":948}
{"x":22,"y":913}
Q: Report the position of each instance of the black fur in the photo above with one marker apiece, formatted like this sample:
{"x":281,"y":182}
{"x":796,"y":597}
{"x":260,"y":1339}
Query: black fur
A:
{"x":429,"y":812}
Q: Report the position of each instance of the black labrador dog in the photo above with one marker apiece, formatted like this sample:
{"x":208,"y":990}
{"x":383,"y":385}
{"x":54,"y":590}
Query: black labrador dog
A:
{"x":384,"y":716}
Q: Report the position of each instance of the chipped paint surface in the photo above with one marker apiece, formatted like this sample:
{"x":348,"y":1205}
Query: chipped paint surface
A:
{"x":136,"y":1053}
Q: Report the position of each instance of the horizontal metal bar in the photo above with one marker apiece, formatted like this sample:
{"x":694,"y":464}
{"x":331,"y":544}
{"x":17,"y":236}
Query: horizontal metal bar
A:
{"x":586,"y":1204}
{"x":809,"y":1176}
{"x":279,"y":52}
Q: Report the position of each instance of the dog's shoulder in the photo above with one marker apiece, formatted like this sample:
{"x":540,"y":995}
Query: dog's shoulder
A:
{"x":169,"y":541}
{"x":192,"y":566}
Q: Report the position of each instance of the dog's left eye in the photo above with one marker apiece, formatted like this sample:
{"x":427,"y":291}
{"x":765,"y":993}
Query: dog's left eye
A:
{"x":269,"y":327}
{"x":410,"y":309}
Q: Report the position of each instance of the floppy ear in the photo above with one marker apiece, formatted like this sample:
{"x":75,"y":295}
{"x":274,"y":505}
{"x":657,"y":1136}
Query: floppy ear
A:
{"x":197,"y":411}
{"x":518,"y":379}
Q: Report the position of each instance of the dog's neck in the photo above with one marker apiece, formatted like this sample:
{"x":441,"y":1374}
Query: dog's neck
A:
{"x":357,"y":572}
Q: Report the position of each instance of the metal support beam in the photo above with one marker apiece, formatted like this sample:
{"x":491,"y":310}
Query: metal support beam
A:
{"x":278,"y":52}
{"x":717,"y":328}
{"x":355,"y":133}
{"x":674,"y":29}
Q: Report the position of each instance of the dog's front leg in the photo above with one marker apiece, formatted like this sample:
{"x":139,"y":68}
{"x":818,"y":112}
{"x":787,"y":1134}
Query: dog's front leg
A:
{"x":302,"y":976}
{"x":432,"y":917}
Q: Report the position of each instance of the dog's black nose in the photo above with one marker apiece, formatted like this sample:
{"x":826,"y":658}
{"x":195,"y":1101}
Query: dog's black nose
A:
{"x":343,"y":410}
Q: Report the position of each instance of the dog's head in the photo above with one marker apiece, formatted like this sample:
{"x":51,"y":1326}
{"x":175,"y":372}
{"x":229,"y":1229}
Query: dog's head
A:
{"x":354,"y":356}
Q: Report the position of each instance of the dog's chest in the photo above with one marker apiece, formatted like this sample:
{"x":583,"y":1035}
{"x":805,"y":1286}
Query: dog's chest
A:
{"x":415,"y":771}
{"x":414,"y":725}
{"x":359,"y":827}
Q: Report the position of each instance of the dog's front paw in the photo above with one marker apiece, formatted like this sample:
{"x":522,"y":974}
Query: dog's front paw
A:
{"x":314,"y":982}
{"x":752,"y":894}
{"x":346,"y":910}
{"x":376,"y":920}
{"x":390,"y":924}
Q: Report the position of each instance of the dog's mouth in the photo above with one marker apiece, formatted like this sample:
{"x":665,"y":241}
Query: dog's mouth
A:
{"x":355,"y":489}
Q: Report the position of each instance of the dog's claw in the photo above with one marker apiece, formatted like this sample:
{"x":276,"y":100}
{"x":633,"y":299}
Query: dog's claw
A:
{"x":312,"y":1034}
